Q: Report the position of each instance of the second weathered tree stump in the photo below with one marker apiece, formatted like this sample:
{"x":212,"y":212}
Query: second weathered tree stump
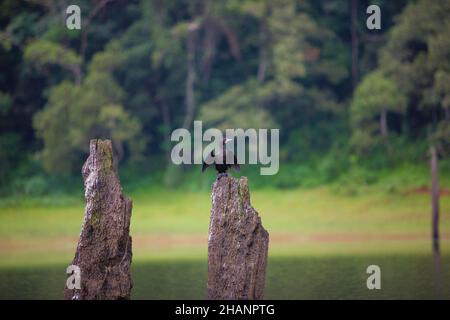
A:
{"x":103,"y":255}
{"x":237,"y":243}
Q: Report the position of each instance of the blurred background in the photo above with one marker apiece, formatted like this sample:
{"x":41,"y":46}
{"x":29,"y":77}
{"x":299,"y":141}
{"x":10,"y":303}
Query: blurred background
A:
{"x":364,"y":117}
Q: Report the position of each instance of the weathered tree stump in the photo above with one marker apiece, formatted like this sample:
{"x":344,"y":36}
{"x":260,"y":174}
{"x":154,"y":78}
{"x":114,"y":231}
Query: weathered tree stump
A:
{"x":237,"y":243}
{"x":103,"y":254}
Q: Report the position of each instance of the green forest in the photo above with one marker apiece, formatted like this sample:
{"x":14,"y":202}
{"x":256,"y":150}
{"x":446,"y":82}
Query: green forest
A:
{"x":351,"y":103}
{"x":361,"y":113}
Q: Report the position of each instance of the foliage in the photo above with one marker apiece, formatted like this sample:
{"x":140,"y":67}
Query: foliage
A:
{"x":5,"y":103}
{"x":10,"y":146}
{"x":417,"y":58}
{"x":237,"y":108}
{"x":137,"y":70}
{"x":373,"y":99}
{"x":75,"y":114}
{"x":42,"y":52}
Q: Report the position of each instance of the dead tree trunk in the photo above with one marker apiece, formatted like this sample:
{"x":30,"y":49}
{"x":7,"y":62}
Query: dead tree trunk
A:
{"x":434,"y":197}
{"x":103,"y":255}
{"x":437,"y":275}
{"x":237,"y":243}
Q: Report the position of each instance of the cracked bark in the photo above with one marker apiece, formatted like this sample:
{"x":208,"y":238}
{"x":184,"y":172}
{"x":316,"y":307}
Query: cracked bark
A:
{"x":103,"y":252}
{"x":237,"y":243}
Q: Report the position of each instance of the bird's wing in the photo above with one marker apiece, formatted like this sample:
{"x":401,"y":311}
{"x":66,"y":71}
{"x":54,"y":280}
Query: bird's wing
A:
{"x":209,"y":160}
{"x":235,"y":164}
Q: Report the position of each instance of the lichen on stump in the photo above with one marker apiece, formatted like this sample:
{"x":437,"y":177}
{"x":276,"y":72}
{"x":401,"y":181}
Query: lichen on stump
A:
{"x":103,"y":253}
{"x":237,"y":243}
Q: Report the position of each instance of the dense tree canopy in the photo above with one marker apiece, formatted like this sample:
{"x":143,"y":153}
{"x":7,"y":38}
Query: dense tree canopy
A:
{"x":373,"y":99}
{"x":139,"y":69}
{"x":417,"y":58}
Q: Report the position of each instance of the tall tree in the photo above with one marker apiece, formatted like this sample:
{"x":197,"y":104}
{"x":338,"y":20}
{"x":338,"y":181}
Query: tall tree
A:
{"x":78,"y":112}
{"x":373,"y":99}
{"x":417,"y":57}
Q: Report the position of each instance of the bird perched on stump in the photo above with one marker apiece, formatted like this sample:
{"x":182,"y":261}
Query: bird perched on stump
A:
{"x":224,"y":166}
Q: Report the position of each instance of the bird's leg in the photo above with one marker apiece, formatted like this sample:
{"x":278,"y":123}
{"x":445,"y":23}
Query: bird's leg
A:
{"x":222,"y":174}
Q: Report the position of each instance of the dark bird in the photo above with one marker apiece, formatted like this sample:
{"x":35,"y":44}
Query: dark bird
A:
{"x":224,"y":166}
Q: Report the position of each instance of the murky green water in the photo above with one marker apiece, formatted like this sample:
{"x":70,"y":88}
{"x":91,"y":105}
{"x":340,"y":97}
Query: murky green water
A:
{"x":344,"y":277}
